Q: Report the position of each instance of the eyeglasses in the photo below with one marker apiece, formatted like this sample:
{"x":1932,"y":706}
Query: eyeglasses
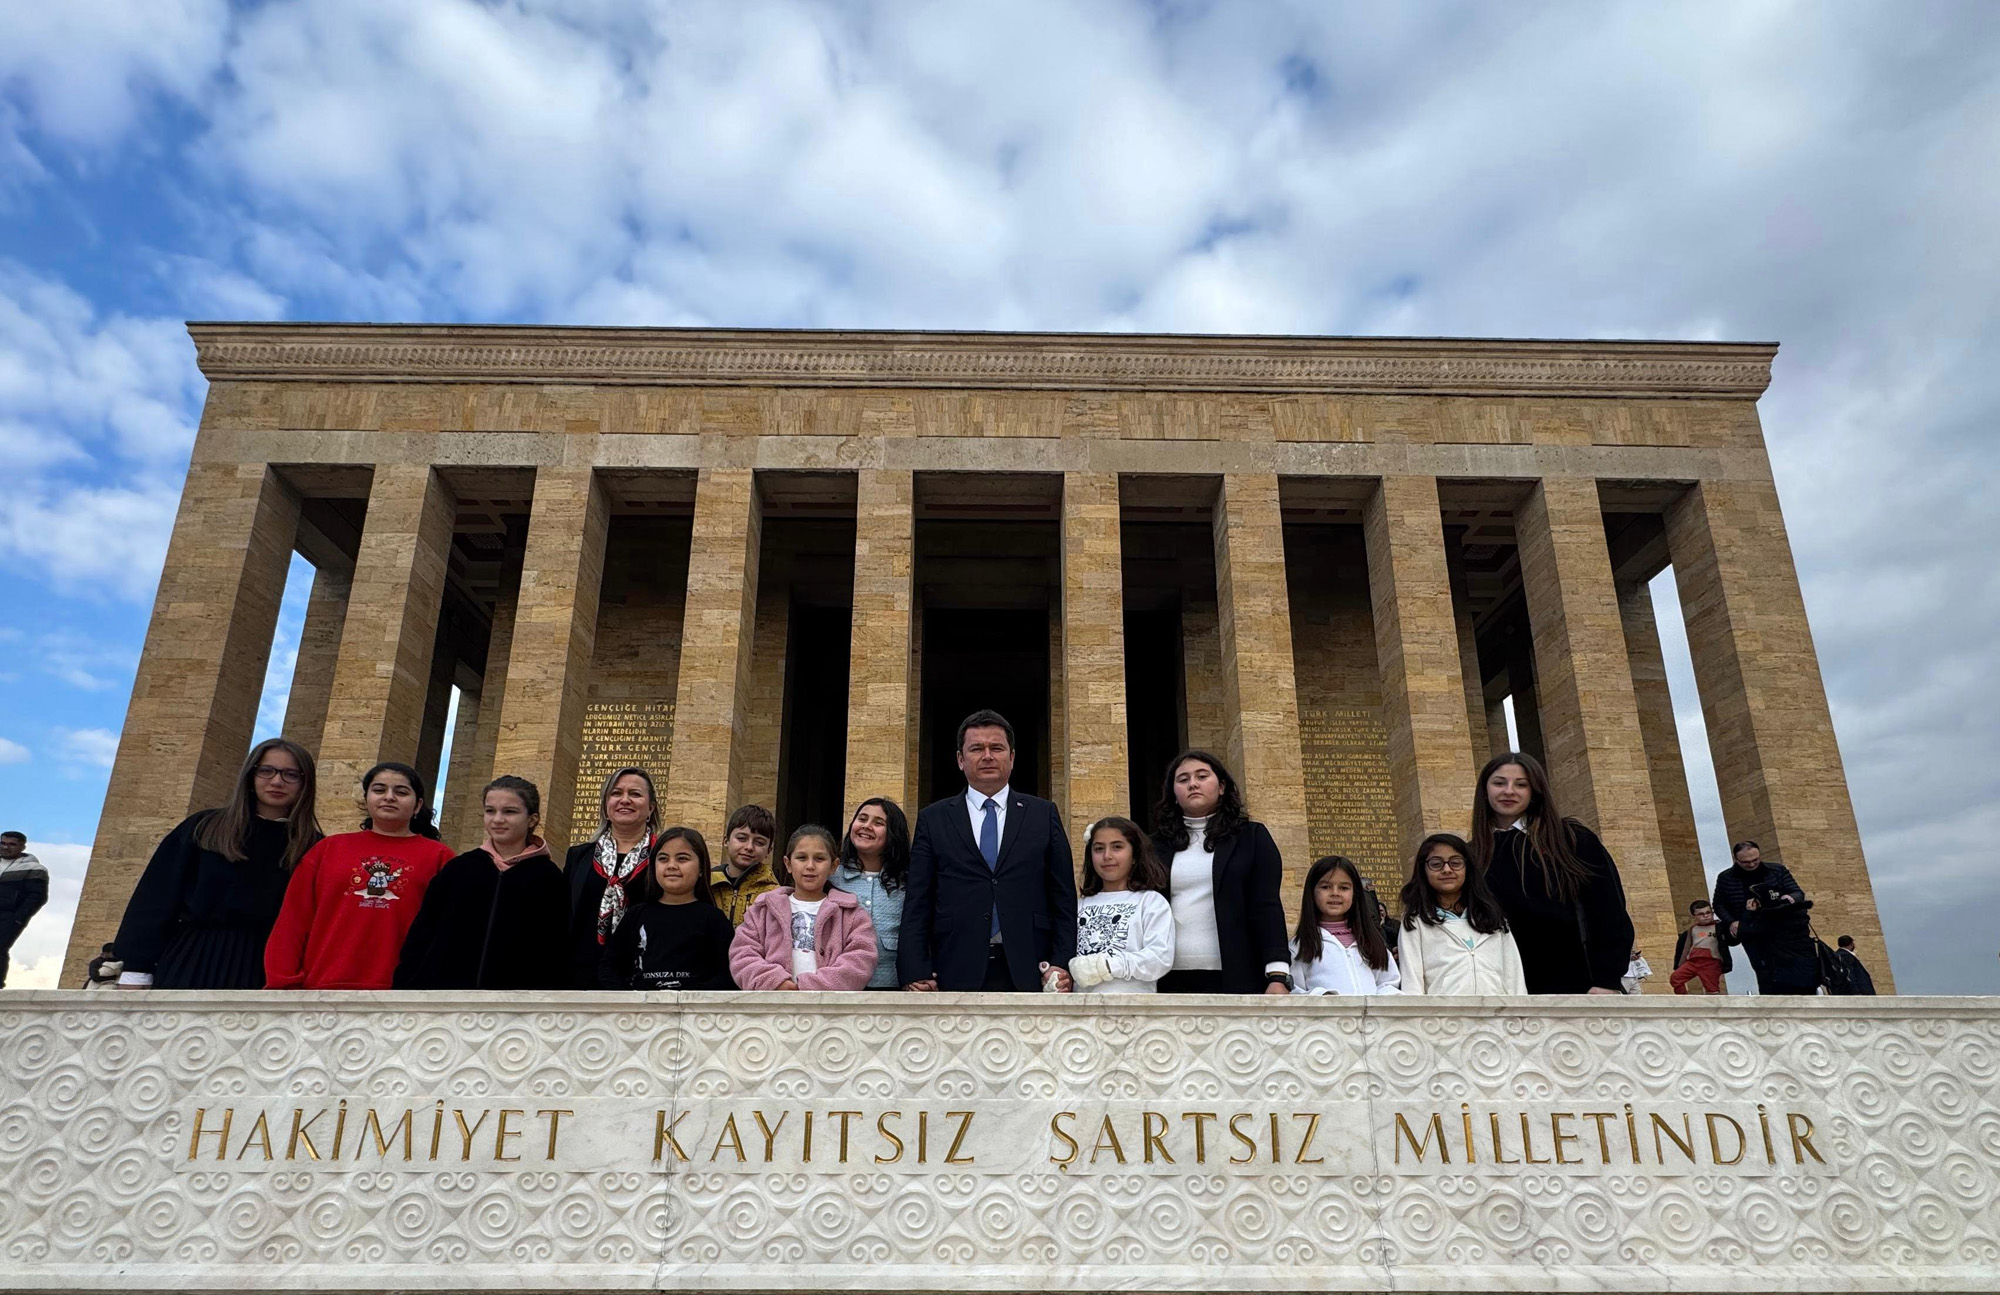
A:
{"x":290,"y":777}
{"x":1444,"y":865}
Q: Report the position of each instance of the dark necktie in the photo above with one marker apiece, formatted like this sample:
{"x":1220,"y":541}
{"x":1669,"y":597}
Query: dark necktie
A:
{"x":989,"y":846}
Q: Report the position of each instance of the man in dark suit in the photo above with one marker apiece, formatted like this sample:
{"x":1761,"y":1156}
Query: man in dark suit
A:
{"x":991,"y":898}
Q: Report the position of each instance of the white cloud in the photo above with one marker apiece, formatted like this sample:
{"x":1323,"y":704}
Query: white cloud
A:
{"x":85,"y":68}
{"x":94,"y":747}
{"x":12,"y":752}
{"x":1820,"y":175}
{"x":97,"y":410}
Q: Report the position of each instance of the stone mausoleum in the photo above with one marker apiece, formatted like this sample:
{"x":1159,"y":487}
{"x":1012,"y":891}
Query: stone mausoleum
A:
{"x":780,"y":567}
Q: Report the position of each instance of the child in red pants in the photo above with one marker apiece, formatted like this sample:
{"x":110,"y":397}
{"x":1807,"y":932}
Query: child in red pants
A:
{"x":1703,"y":952}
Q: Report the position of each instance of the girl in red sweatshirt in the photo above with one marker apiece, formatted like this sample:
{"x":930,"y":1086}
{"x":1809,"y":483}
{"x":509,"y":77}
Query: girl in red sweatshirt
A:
{"x":352,"y":898}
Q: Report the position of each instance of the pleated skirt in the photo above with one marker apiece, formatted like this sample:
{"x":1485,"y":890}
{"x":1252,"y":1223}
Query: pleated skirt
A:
{"x":213,"y":957}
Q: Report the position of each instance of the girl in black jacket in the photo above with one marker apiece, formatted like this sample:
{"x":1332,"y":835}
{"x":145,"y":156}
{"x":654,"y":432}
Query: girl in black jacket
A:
{"x":496,"y":917}
{"x":205,"y":905}
{"x":1223,"y":877}
{"x":1554,"y":880}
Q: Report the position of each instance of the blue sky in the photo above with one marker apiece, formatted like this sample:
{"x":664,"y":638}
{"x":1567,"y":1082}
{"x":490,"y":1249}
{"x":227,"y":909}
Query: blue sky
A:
{"x":1821,"y":174}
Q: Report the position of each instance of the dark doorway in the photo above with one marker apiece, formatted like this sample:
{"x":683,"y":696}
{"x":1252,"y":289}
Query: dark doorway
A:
{"x":812,"y":768}
{"x":985,"y":659}
{"x":1155,"y":726}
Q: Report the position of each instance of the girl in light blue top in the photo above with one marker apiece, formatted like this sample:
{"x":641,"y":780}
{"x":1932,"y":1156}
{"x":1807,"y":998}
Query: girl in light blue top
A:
{"x":874,"y":864}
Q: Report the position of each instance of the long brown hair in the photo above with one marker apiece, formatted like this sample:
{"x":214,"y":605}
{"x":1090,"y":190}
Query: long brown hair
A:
{"x":1563,"y":874}
{"x":1170,"y":825}
{"x":227,"y":830}
{"x":1364,"y":917}
{"x":1420,"y":901}
{"x":1148,"y":873}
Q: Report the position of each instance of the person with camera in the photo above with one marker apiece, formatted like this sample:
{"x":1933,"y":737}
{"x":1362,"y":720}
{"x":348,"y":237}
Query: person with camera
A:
{"x":1759,"y":906}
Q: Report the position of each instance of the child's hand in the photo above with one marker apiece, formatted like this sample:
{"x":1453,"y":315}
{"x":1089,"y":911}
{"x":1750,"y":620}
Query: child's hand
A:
{"x":1090,"y":969}
{"x":789,"y":984}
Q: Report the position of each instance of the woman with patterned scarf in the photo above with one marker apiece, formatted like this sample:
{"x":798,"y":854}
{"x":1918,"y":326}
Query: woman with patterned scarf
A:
{"x":600,"y":869}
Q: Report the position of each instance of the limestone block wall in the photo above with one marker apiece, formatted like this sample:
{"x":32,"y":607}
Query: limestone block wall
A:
{"x":400,"y":413}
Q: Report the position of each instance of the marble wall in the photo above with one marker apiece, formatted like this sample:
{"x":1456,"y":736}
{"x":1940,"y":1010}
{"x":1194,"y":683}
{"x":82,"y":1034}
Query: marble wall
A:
{"x":780,"y":1142}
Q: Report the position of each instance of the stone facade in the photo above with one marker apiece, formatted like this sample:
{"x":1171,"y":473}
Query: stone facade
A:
{"x":905,"y":1142}
{"x":614,"y":543}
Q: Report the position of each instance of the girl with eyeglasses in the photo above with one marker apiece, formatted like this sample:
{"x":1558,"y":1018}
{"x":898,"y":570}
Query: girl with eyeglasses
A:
{"x":207,"y":900}
{"x":1455,"y":938}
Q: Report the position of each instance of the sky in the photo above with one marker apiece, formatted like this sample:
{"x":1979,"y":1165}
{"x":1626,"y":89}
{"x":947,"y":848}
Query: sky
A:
{"x":1825,"y":175}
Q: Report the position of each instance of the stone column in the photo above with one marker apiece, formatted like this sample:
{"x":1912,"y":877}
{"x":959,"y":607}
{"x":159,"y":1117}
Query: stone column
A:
{"x":1589,"y":716}
{"x":1260,"y":692}
{"x":384,"y":669}
{"x":1777,"y":762}
{"x":1679,"y":844}
{"x":1097,"y":771}
{"x":712,"y":700}
{"x":764,"y":730}
{"x":880,"y":680}
{"x":461,"y":817}
{"x":1417,"y":651}
{"x":1497,"y":741}
{"x":492,"y":687}
{"x":437,"y":711}
{"x":319,"y":649}
{"x":1468,"y":651}
{"x":554,"y":636}
{"x":195,"y":695}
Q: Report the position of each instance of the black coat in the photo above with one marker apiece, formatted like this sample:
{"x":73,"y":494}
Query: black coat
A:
{"x":197,"y":920}
{"x":1859,"y":982}
{"x":586,"y":893}
{"x":1249,"y":914}
{"x":1732,"y":899}
{"x":1568,"y":946}
{"x":481,"y":928}
{"x":949,"y":901}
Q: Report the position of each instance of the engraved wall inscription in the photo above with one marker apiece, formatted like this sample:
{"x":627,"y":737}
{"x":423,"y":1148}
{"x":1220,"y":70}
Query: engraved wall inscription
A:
{"x":1350,"y":801}
{"x":616,"y":734}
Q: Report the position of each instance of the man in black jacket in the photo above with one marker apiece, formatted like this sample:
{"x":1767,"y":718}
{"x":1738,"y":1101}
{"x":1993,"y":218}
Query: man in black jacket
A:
{"x":1761,"y":907}
{"x":1859,"y":982}
{"x":991,"y":897}
{"x":24,"y":888}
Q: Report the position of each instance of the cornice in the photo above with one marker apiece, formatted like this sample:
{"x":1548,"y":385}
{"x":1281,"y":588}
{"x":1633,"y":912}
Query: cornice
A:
{"x":990,"y":361}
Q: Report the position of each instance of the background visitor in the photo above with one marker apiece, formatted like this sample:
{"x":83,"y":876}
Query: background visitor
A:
{"x":1762,"y":908}
{"x":24,"y":888}
{"x":1702,"y":953}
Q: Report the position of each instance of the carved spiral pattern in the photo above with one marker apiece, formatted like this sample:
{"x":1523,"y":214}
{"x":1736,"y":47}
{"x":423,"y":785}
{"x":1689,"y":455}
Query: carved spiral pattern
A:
{"x":93,"y":1101}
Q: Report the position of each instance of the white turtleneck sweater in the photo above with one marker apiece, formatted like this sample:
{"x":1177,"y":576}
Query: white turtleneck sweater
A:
{"x":1196,"y":945}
